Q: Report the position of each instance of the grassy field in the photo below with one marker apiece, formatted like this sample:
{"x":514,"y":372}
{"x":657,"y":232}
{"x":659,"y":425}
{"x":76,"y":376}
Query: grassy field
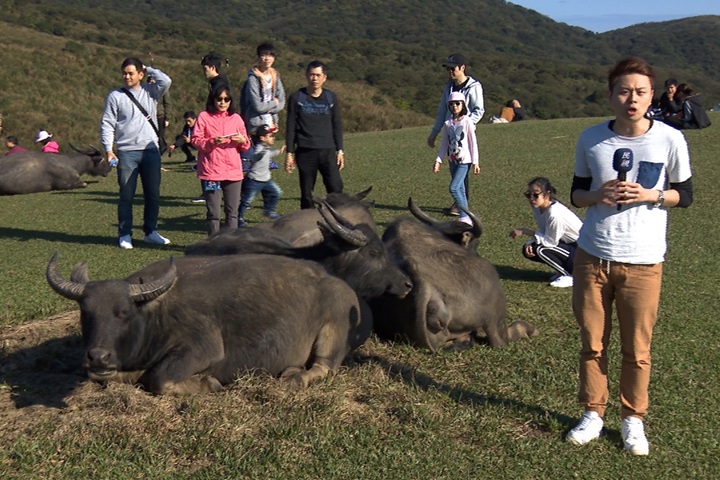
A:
{"x":395,"y":413}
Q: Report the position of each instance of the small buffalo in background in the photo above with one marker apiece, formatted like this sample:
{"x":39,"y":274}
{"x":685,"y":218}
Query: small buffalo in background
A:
{"x":33,"y":172}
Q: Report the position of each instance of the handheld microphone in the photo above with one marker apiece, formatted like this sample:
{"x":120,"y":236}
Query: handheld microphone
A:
{"x":622,"y":163}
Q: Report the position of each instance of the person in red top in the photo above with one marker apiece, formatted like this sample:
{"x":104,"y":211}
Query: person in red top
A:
{"x":219,"y":136}
{"x":13,"y":146}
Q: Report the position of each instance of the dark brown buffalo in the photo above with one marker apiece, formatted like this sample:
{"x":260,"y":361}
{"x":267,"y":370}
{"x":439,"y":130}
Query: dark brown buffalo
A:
{"x":32,"y":172}
{"x":352,"y":252}
{"x":300,"y":227}
{"x":457,"y":295}
{"x":193,"y":324}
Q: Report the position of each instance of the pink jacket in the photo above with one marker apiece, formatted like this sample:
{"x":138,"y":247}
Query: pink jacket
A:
{"x":218,"y":161}
{"x":51,"y":147}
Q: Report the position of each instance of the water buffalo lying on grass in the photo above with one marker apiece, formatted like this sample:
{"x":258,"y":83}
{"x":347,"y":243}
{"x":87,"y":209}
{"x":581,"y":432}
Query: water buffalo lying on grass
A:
{"x":300,"y":227}
{"x":352,"y":252}
{"x":193,"y":324}
{"x":457,"y":295}
{"x":32,"y":172}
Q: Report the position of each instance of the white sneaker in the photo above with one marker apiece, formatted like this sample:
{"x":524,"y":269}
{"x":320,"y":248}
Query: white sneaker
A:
{"x":156,"y":238}
{"x":125,"y":242}
{"x":588,"y":429}
{"x":633,"y":435}
{"x":555,"y":277}
{"x":563,"y":281}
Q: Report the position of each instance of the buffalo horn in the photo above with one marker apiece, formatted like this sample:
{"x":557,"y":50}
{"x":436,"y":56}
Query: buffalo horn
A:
{"x":364,"y":193}
{"x":419,"y":214}
{"x":144,"y":292}
{"x":66,"y":288}
{"x":477,"y":228}
{"x":334,"y":219}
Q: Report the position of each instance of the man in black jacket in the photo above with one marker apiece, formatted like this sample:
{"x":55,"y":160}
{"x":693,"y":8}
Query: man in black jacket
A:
{"x":314,"y":135}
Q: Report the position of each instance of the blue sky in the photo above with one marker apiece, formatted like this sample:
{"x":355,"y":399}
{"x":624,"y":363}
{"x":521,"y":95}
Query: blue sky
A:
{"x":613,"y":14}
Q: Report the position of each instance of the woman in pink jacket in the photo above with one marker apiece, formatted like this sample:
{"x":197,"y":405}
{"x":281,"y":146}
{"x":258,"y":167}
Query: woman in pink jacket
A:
{"x":219,"y":136}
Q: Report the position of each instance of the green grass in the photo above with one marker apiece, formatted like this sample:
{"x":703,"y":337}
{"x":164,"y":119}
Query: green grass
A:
{"x":400,"y":413}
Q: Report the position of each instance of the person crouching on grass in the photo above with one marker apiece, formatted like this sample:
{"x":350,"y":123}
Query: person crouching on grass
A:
{"x":219,"y":135}
{"x":555,"y":240}
{"x":459,"y":145}
{"x":622,"y":247}
{"x":258,"y":178}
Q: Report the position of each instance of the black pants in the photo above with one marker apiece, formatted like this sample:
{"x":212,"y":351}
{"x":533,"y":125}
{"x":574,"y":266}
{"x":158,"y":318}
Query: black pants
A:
{"x":309,"y":162}
{"x":560,"y":258}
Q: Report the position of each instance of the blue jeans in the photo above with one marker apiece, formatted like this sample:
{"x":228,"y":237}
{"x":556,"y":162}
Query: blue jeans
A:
{"x":270,"y":192}
{"x":132,"y":163}
{"x":459,"y":172}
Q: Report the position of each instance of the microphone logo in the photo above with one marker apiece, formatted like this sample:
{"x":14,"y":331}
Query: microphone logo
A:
{"x":625,"y":161}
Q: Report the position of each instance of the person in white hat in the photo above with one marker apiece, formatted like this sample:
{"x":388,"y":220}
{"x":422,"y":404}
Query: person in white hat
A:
{"x":48,"y":144}
{"x":459,"y":146}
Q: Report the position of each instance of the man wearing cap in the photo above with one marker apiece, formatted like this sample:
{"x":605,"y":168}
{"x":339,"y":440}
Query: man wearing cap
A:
{"x":473,"y":92}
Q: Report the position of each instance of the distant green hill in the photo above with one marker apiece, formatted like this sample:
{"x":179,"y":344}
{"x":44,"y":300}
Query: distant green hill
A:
{"x":384,"y":57}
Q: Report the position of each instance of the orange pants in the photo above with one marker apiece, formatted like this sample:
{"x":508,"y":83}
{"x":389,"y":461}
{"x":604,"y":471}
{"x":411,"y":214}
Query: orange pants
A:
{"x":635,"y":289}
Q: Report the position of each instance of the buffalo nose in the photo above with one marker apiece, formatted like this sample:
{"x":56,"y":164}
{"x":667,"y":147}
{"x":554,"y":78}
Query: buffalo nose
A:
{"x":98,"y":356}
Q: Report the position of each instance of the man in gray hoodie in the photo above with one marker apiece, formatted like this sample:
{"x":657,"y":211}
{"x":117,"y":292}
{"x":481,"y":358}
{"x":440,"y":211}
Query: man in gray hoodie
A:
{"x":135,"y":137}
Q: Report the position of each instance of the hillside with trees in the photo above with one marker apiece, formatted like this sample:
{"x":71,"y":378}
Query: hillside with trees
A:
{"x":385,"y":57}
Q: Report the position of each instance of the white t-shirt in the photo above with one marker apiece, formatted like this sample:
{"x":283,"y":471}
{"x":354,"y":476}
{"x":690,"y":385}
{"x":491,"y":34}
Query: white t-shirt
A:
{"x":637,"y":233}
{"x":557,"y":223}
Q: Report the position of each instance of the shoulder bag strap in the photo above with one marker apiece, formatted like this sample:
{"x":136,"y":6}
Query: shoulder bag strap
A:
{"x":142,"y":110}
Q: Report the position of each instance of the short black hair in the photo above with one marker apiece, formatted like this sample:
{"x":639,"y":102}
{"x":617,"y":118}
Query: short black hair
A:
{"x":189,"y":114}
{"x":12,"y":139}
{"x":265,"y":48}
{"x":132,"y":61}
{"x":212,"y":59}
{"x":316,"y":64}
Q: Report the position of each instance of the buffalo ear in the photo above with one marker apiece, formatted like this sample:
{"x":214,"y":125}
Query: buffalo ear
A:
{"x":79,"y":273}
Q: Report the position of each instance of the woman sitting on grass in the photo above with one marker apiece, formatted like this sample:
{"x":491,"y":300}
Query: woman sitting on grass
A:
{"x":555,"y":240}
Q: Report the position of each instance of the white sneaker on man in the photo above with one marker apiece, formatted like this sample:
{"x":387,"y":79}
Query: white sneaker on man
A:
{"x":587,"y":430}
{"x":633,"y":435}
{"x":563,"y":281}
{"x":125,"y":242}
{"x":156,"y":238}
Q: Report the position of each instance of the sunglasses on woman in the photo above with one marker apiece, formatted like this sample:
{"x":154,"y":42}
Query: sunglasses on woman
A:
{"x":223,"y":99}
{"x":534,"y":195}
{"x":455,"y":104}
